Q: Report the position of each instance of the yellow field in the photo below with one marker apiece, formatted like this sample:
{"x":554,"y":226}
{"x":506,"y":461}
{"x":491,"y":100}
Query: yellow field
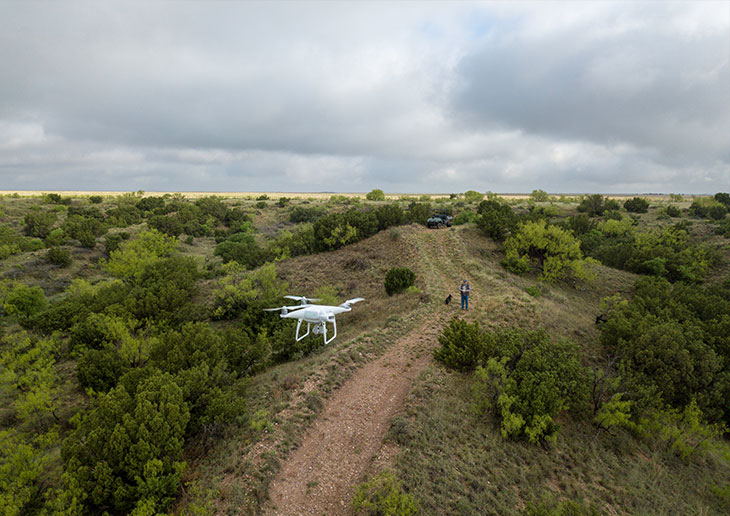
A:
{"x":303,"y":195}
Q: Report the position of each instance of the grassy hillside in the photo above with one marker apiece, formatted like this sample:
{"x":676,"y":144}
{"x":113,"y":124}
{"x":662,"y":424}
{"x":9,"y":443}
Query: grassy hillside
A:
{"x":448,"y":457}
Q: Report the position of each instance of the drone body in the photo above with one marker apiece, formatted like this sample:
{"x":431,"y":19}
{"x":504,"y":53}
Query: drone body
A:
{"x":317,"y":315}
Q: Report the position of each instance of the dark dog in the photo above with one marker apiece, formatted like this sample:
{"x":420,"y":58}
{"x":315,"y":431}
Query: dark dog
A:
{"x":448,"y":300}
{"x":601,"y":319}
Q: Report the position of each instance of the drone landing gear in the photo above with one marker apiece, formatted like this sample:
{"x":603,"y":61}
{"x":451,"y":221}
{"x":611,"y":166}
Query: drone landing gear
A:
{"x":320,"y":328}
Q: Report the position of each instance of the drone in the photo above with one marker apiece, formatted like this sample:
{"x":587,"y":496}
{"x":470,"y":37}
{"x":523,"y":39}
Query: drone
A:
{"x":317,"y":315}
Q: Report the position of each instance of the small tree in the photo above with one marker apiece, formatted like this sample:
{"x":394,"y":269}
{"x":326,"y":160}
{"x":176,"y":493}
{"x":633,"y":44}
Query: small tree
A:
{"x":555,"y":251}
{"x":128,"y":448}
{"x":473,"y":196}
{"x":398,"y":279}
{"x":39,"y":223}
{"x":375,"y":195}
{"x":496,"y":219}
{"x":24,"y":301}
{"x":723,"y":198}
{"x":539,"y":196}
{"x":383,"y":495}
{"x":59,"y":256}
{"x":593,"y":205}
{"x":636,"y":205}
{"x":418,"y":212}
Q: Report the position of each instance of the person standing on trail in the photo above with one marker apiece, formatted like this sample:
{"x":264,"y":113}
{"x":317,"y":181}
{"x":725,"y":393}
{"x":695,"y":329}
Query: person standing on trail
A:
{"x":464,"y":289}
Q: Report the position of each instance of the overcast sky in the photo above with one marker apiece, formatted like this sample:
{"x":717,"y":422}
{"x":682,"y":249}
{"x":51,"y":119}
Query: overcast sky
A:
{"x":616,"y":97}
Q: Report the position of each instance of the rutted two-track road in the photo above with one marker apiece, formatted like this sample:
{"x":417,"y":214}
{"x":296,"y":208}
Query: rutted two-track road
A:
{"x":320,"y":476}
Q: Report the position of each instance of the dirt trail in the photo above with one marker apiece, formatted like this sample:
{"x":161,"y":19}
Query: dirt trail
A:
{"x":320,"y":476}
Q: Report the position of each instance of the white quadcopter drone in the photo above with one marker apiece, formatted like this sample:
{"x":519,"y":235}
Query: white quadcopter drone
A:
{"x":317,"y":315}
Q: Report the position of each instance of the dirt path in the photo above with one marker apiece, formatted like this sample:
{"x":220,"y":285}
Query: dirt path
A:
{"x":320,"y":476}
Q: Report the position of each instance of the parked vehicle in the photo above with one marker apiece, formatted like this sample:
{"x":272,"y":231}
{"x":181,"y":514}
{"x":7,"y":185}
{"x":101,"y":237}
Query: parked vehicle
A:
{"x":439,"y":220}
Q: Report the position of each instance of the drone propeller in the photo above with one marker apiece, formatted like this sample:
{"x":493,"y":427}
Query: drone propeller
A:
{"x":352,"y":301}
{"x":284,"y":309}
{"x":302,"y":299}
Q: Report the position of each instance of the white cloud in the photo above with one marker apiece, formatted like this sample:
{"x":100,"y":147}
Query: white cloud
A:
{"x":326,"y":96}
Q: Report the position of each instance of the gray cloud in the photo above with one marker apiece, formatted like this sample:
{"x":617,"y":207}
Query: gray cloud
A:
{"x":406,"y":97}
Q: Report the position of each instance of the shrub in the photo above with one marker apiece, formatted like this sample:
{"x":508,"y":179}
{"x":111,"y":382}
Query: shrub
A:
{"x":418,"y":212}
{"x":556,"y":252}
{"x":673,"y":211}
{"x":672,"y":345}
{"x":539,"y":196}
{"x":593,"y":205}
{"x":127,"y":449}
{"x":580,"y":224}
{"x":339,"y":229}
{"x":496,"y":219}
{"x":610,"y":205}
{"x":375,"y":195}
{"x":463,"y":217}
{"x":24,"y":301}
{"x":100,"y":369}
{"x":299,"y":242}
{"x":95,"y":199}
{"x":636,"y":205}
{"x":84,"y":229}
{"x":128,"y":261}
{"x":669,"y":253}
{"x":463,"y":345}
{"x":529,"y":382}
{"x":163,"y":290}
{"x":151,"y":203}
{"x":39,"y":223}
{"x":534,"y":291}
{"x":707,"y":208}
{"x":242,"y":248}
{"x":473,"y":196}
{"x":54,"y":198}
{"x":389,"y":215}
{"x":383,"y":495}
{"x":124,"y":215}
{"x":723,"y":198}
{"x":398,"y":279}
{"x":59,"y":256}
{"x":305,"y":214}
{"x":260,"y":205}
{"x":112,"y":241}
{"x":251,"y":292}
{"x":167,"y":224}
{"x":283,"y":201}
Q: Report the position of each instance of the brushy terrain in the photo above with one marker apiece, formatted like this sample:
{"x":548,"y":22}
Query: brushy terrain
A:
{"x":75,"y":354}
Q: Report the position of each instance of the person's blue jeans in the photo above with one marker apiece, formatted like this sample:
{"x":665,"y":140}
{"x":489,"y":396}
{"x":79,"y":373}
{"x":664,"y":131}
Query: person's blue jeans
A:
{"x":464,"y":302}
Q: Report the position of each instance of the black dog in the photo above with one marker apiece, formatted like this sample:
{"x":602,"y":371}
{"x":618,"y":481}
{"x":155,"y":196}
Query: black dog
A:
{"x":601,"y":319}
{"x":448,"y":300}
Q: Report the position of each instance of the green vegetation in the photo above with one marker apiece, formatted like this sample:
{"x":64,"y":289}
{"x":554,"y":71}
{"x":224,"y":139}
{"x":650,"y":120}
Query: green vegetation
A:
{"x":636,"y":205}
{"x":521,"y":377}
{"x":399,"y":279}
{"x":375,"y":195}
{"x":709,"y":208}
{"x":496,"y":219}
{"x":143,"y":363}
{"x":554,"y":250}
{"x":59,"y":256}
{"x":472,"y":196}
{"x":383,"y":496}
